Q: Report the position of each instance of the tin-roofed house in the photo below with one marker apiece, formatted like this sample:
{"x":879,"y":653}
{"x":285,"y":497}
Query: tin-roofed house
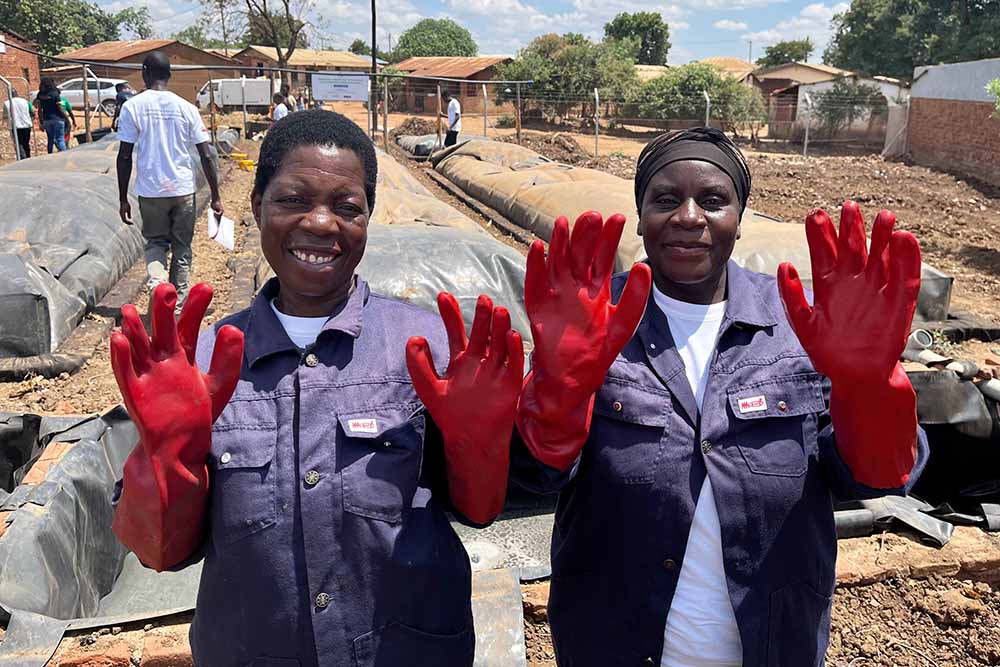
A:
{"x":419,"y":96}
{"x":106,"y":55}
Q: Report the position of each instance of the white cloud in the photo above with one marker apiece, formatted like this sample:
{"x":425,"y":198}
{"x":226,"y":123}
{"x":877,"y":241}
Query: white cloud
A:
{"x":813,"y":21}
{"x":726,"y":24}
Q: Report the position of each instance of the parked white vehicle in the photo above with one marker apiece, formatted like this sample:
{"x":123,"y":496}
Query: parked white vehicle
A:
{"x":100,"y":91}
{"x":228,"y":94}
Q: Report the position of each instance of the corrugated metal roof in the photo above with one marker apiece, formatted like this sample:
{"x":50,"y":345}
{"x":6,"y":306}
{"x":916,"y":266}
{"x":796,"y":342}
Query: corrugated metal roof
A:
{"x":451,"y":67}
{"x":115,"y":51}
{"x":827,"y":69}
{"x":315,"y":58}
{"x":650,"y":72}
{"x":733,"y":66}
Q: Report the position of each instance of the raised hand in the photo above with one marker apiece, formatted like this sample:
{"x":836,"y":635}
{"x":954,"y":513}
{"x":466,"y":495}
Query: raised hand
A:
{"x":576,"y":328}
{"x":855,"y":332}
{"x":864,"y":302}
{"x":173,"y":405}
{"x":474,"y":403}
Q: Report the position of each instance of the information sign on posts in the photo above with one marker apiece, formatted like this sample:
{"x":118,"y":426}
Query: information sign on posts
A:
{"x":340,"y":87}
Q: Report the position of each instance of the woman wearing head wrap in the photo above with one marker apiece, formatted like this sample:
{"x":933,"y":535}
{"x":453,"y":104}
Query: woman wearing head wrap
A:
{"x":697,"y":453}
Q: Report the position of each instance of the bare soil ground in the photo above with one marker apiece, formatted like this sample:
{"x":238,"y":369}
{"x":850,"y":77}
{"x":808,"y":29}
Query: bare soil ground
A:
{"x":898,"y":623}
{"x":93,"y":388}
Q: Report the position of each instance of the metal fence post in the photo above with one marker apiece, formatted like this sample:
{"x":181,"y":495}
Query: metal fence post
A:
{"x":597,"y":123}
{"x":243,"y":100}
{"x":485,"y":105}
{"x":708,"y":108}
{"x":385,"y":113}
{"x":517,"y":114}
{"x":211,"y":111}
{"x":86,"y":106}
{"x":805,"y":143}
{"x":438,"y":145}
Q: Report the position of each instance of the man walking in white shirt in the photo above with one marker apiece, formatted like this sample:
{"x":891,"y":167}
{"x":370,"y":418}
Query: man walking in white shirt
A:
{"x":18,"y":113}
{"x":160,"y":127}
{"x":454,"y":116}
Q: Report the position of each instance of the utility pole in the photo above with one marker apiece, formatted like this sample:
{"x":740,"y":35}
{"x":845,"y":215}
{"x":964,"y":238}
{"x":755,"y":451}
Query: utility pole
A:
{"x":374,"y":81}
{"x":750,"y":51}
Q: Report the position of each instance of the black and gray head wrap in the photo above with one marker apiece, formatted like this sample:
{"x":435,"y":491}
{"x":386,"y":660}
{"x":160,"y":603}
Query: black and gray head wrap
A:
{"x":700,"y":143}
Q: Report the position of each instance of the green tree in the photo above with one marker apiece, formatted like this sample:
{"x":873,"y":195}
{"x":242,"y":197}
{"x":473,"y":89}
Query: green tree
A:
{"x":201,"y":34}
{"x":59,"y":25}
{"x":226,"y":19}
{"x":649,"y":29}
{"x":567,"y":68}
{"x":847,"y":101}
{"x":791,"y":51}
{"x":360,"y":47}
{"x":993,"y":88}
{"x":892,"y":37}
{"x":435,"y":37}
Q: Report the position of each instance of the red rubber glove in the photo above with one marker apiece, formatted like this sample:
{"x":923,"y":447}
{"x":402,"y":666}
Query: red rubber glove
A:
{"x":855,"y":333}
{"x":160,"y":515}
{"x":577,"y":332}
{"x":474,"y":403}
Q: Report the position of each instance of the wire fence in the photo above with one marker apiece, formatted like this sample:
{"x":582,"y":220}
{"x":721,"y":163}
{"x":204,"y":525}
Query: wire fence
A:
{"x":491,"y":107}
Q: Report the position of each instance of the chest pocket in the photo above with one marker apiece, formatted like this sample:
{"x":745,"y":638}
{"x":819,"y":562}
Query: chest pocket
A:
{"x":774,"y":423}
{"x":243,"y":480}
{"x":628,"y":432}
{"x":380,"y":451}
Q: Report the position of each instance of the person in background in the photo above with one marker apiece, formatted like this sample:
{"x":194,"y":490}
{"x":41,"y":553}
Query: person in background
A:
{"x":280,"y":108}
{"x":51,"y":115}
{"x":123,"y":92}
{"x":288,"y":98}
{"x":454,"y":116}
{"x":18,"y":113}
{"x":68,"y":108}
{"x":161,"y":127}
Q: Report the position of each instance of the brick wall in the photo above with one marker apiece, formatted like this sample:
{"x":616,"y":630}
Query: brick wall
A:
{"x":958,"y":136}
{"x":13,"y":64}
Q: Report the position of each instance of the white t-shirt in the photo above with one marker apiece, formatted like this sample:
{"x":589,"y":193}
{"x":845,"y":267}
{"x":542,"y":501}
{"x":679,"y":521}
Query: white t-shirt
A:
{"x":22,"y":113}
{"x":302,"y":330}
{"x":163,"y":127}
{"x":280,"y":111}
{"x":701,"y":628}
{"x":454,"y":115}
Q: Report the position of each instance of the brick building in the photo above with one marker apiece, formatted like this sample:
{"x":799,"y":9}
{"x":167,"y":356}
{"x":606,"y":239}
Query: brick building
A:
{"x":950,"y":124}
{"x":18,"y":66}
{"x":310,"y":60}
{"x":184,"y":83}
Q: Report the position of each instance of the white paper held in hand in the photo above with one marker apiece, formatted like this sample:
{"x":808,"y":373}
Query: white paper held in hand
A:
{"x":222,"y":230}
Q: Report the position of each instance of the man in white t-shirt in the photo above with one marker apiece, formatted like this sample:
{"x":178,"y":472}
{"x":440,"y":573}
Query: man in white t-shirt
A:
{"x":454,"y":116}
{"x":161,"y":127}
{"x":280,"y":108}
{"x":18,"y":113}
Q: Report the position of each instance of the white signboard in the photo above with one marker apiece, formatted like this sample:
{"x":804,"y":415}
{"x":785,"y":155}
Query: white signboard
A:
{"x":340,"y":87}
{"x":3,"y":45}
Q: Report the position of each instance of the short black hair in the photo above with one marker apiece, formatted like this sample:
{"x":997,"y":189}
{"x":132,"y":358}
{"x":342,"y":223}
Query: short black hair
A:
{"x":277,"y":98}
{"x":315,"y":127}
{"x":157,"y":66}
{"x":119,"y":87}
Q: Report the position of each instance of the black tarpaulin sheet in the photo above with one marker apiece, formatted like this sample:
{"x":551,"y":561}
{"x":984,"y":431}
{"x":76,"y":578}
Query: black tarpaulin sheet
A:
{"x":62,"y":244}
{"x":425,"y":144}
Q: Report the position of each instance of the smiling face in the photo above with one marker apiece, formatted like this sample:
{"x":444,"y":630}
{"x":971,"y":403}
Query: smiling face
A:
{"x":313,"y":220}
{"x":689,"y":222}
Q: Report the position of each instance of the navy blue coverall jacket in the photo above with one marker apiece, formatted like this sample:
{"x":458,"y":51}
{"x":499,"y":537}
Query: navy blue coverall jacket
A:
{"x":327,"y":543}
{"x":625,"y":508}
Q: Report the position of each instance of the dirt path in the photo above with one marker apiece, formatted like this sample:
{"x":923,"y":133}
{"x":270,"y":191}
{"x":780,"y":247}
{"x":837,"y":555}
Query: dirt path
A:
{"x":93,"y":388}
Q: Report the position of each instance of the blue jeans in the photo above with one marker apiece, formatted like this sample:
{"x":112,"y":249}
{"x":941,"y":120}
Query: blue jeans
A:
{"x":55,"y":129}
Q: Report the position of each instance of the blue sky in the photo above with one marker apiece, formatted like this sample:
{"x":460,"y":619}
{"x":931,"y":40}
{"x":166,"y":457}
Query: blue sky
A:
{"x":698,"y":28}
